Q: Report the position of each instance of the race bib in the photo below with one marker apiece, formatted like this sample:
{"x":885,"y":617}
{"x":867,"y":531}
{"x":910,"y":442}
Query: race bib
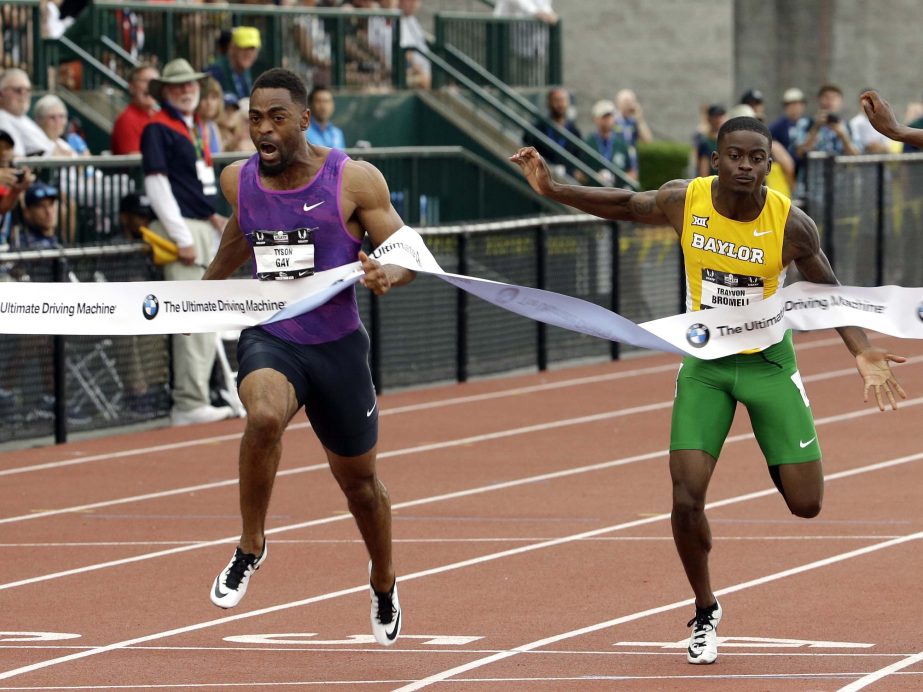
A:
{"x":720,"y":289}
{"x":284,"y":254}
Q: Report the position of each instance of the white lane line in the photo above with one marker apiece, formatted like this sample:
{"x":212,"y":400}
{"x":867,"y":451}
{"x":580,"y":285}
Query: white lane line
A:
{"x":474,"y":539}
{"x":428,"y":405}
{"x":871,"y":678}
{"x":338,"y":649}
{"x":551,"y":425}
{"x":659,"y":454}
{"x":363,"y":588}
{"x":430,"y":447}
{"x":438,"y":403}
{"x":776,"y":576}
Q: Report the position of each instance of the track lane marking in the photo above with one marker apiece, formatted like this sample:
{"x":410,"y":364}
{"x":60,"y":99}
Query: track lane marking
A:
{"x":538,"y":427}
{"x":871,"y":678}
{"x":363,"y":588}
{"x":858,"y":413}
{"x":436,"y":403}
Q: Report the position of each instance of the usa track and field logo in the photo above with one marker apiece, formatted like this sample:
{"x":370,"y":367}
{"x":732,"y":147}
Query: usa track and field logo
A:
{"x":697,"y":335}
{"x":920,"y":311}
{"x":150,"y":307}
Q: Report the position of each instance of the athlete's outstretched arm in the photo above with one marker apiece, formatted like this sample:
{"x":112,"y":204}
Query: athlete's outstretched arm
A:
{"x":882,"y":117}
{"x":233,"y":249}
{"x":366,"y":187}
{"x":605,"y":202}
{"x":802,"y":246}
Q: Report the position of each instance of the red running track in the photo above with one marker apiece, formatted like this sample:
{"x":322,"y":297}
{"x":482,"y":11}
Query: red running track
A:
{"x":532,"y":541}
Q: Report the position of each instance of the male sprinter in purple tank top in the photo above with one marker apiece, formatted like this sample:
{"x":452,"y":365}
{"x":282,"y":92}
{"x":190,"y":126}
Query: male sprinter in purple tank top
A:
{"x":311,"y":205}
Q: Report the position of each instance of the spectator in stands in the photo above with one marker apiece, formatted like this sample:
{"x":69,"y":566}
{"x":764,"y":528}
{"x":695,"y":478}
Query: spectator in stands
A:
{"x":53,"y":25}
{"x":313,"y":54}
{"x":51,"y":115}
{"x":792,"y":126}
{"x":38,"y":223}
{"x":828,"y":131}
{"x":866,"y":138}
{"x":28,"y":137}
{"x":754,"y":98}
{"x":533,"y":9}
{"x":705,"y":141}
{"x":558,"y":107}
{"x":13,"y":182}
{"x":630,"y":118}
{"x":126,"y":131}
{"x":322,"y":131}
{"x":233,"y":70}
{"x":135,"y":212}
{"x":211,"y":112}
{"x":528,"y":41}
{"x":610,"y":144}
{"x":419,"y":69}
{"x":180,"y":182}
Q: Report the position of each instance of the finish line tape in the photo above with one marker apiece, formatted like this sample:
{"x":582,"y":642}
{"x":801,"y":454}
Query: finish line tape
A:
{"x":174,"y":307}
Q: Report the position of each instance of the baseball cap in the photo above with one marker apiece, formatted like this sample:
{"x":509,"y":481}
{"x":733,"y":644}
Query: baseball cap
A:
{"x":792,"y":95}
{"x":741,"y":110}
{"x":39,"y":191}
{"x":752,"y":96}
{"x":603,"y":107}
{"x":246,"y":37}
{"x":231,"y":100}
{"x":7,"y":137}
{"x":716,"y":109}
{"x":135,"y":203}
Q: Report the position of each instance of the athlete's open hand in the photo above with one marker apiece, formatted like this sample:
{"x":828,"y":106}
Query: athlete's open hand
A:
{"x":880,"y":113}
{"x":875,"y":371}
{"x":535,"y":169}
{"x":376,"y":279}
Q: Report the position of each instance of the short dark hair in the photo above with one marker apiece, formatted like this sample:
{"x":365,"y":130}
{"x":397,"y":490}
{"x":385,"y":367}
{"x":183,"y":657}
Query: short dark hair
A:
{"x":829,"y":87}
{"x":744,"y":123}
{"x":279,"y":78}
{"x":318,"y":89}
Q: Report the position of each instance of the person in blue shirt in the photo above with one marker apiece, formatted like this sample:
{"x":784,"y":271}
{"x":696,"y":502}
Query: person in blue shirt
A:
{"x":321,"y":131}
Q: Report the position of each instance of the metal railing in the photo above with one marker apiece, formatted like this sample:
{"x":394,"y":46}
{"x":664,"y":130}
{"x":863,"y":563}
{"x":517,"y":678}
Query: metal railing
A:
{"x":528,"y":112}
{"x":869,"y":211}
{"x":505,"y":116}
{"x":336,"y":47}
{"x":429,"y":185}
{"x":422,"y":333}
{"x":519,"y":52}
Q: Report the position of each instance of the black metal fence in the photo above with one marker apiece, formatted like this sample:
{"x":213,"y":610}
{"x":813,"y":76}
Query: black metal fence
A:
{"x":869,"y":211}
{"x":423,"y":333}
{"x":520,"y":52}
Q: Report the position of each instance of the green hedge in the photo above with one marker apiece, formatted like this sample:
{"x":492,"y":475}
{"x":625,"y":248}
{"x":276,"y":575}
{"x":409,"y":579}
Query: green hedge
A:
{"x":662,"y":161}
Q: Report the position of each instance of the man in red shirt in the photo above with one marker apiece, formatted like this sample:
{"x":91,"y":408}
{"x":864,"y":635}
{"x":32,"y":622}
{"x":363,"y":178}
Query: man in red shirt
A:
{"x":126,"y":132}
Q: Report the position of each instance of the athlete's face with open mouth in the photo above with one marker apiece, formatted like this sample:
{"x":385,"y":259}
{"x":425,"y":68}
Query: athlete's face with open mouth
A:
{"x":277,"y":126}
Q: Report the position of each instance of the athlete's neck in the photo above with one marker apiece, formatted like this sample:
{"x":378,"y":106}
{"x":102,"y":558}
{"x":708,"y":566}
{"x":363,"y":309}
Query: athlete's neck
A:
{"x":738,"y":206}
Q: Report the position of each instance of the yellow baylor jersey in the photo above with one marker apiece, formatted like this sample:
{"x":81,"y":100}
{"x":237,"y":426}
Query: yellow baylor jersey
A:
{"x":731,"y":262}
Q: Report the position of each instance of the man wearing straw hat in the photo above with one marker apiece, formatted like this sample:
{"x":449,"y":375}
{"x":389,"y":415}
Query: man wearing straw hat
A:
{"x":180,"y":182}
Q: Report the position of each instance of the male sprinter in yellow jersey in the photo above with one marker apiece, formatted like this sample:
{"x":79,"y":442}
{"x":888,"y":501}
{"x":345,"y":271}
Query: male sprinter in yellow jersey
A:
{"x":738,"y":237}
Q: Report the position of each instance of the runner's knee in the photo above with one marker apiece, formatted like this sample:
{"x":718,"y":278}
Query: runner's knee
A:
{"x":265,"y":423}
{"x":362,"y":493}
{"x":806,"y":508}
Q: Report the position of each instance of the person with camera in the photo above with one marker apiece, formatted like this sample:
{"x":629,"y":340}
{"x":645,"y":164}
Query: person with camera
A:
{"x":13,"y":182}
{"x":828,"y":131}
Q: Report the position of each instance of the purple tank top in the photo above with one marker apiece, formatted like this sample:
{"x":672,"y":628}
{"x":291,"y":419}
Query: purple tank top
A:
{"x":310,"y":214}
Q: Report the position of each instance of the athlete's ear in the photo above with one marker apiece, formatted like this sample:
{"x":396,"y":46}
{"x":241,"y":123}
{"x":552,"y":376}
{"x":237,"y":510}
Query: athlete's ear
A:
{"x":305,"y":118}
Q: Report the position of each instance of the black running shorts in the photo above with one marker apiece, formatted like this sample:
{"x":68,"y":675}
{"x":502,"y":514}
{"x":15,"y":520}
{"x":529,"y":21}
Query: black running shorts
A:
{"x":332,"y":381}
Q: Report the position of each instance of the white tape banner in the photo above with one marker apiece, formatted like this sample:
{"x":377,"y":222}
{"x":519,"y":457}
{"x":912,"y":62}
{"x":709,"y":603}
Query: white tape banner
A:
{"x":205,"y":306}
